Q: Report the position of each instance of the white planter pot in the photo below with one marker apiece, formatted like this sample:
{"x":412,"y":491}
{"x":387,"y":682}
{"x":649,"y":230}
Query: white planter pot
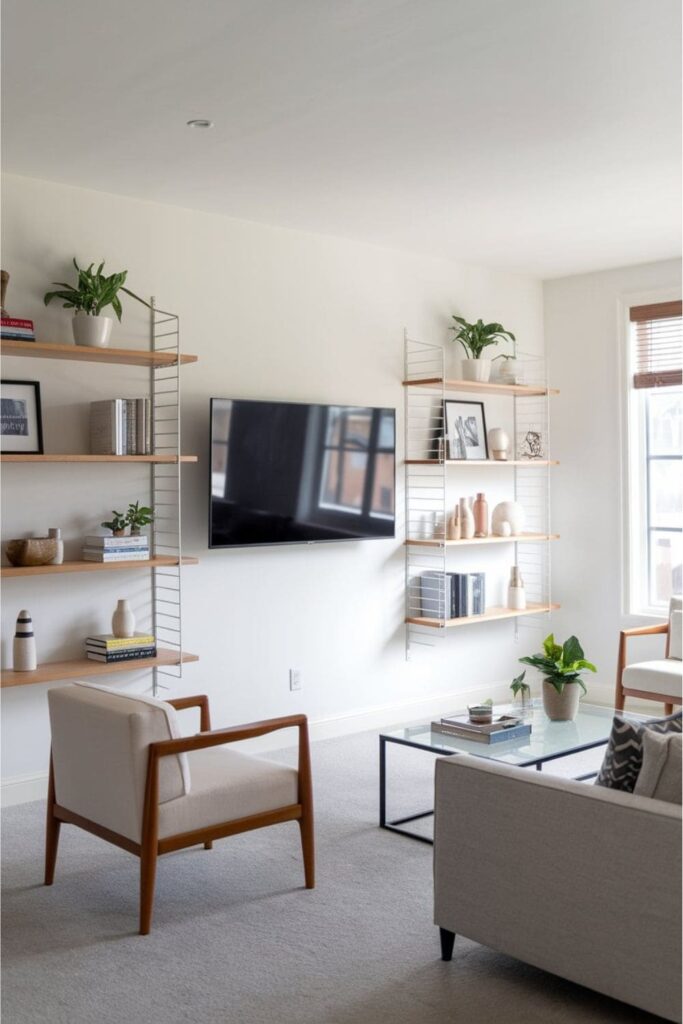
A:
{"x":92,"y":331}
{"x":476,"y":369}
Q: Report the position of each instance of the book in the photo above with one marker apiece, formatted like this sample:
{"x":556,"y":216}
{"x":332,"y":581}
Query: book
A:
{"x":96,"y":555}
{"x":111,"y":642}
{"x":107,"y":427}
{"x":498,"y":735}
{"x":144,"y":652}
{"x":130,"y":408}
{"x":143,"y":426}
{"x":95,"y":541}
{"x":16,"y":329}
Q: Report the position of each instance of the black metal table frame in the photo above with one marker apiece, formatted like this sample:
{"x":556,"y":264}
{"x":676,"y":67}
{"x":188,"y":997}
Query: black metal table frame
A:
{"x":394,"y":826}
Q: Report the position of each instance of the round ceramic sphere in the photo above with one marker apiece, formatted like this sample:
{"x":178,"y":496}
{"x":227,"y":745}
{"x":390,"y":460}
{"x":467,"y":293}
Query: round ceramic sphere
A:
{"x":507,"y":512}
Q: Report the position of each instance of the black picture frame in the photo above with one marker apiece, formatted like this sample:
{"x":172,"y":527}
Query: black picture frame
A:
{"x":456,"y":449}
{"x":33,"y":444}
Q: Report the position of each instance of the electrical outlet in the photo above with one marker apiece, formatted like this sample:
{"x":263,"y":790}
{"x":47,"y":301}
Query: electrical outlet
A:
{"x":295,"y":679}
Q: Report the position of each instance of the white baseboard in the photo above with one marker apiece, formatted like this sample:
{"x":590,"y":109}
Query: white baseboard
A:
{"x":21,"y":789}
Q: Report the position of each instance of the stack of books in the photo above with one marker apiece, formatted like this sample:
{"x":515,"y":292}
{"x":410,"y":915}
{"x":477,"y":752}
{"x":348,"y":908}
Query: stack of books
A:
{"x":464,"y":594}
{"x":109,"y":648}
{"x":502,"y":729}
{"x":17,"y":330}
{"x":116,"y":549}
{"x":121,"y":426}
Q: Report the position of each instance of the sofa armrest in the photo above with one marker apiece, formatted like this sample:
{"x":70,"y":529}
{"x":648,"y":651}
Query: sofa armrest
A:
{"x":576,"y":879}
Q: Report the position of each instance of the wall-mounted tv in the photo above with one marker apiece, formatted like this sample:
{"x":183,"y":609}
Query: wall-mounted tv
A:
{"x":292,"y":473}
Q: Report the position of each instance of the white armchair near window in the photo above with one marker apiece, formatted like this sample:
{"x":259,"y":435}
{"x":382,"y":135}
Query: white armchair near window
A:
{"x":660,"y":680}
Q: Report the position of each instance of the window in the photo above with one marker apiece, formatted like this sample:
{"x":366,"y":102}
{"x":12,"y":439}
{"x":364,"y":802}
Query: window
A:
{"x":358,"y":468}
{"x":655,"y":456}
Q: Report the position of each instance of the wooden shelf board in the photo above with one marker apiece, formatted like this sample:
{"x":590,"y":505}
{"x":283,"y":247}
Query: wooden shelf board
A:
{"x":52,"y":671}
{"x":159,"y":561}
{"x":172,"y":459}
{"x":487,"y":388}
{"x":522,"y":537}
{"x":80,"y":353}
{"x":482,"y":462}
{"x":491,"y":615}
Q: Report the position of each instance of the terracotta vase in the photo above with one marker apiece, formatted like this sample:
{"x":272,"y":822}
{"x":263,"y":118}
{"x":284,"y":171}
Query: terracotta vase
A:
{"x":561,"y":707}
{"x":480,"y":510}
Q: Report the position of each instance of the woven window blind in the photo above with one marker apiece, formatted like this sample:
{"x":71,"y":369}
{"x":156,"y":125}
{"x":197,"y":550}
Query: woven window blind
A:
{"x":658,"y":345}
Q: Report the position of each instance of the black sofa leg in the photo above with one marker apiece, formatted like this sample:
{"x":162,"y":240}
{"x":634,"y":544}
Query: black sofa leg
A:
{"x":447,"y":941}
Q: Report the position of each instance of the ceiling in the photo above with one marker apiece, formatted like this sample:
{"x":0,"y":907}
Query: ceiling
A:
{"x":540,"y":136}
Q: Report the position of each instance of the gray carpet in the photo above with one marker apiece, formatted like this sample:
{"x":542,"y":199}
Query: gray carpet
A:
{"x":237,"y":940}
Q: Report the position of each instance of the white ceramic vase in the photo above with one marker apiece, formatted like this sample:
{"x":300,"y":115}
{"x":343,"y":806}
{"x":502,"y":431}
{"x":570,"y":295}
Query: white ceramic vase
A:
{"x":123,"y":620}
{"x":91,"y":331}
{"x":507,"y":512}
{"x":499,"y":444}
{"x":56,"y":534}
{"x":476,"y":369}
{"x":24,"y":656}
{"x":466,"y":520}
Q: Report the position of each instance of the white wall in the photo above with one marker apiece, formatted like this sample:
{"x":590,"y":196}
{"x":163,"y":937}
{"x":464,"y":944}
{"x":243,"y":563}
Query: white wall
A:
{"x":584,"y":331}
{"x":272,"y":314}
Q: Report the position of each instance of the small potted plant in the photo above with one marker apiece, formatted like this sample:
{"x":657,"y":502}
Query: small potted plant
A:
{"x":117,"y":524}
{"x":521,"y":692}
{"x":138,"y":516}
{"x":475,"y":339}
{"x":561,"y":667}
{"x":92,"y":293}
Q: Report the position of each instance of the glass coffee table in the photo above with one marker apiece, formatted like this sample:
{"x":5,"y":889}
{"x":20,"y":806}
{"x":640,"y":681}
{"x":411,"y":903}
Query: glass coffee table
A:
{"x":548,"y":742}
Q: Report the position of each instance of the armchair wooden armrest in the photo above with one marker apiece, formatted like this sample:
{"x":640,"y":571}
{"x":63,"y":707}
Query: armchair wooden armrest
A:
{"x":662,"y":627}
{"x":235,"y":733}
{"x":199,"y":700}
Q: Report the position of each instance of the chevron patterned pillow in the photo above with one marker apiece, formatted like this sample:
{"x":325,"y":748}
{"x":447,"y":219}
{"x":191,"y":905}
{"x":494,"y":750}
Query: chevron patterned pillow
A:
{"x":624,"y":755}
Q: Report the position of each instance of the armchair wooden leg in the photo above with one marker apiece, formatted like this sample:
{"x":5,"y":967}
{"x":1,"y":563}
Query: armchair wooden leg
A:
{"x":447,"y":943}
{"x":308,"y":849}
{"x":148,"y":871}
{"x":52,"y":827}
{"x":619,"y":698}
{"x":209,"y":845}
{"x":668,"y":709}
{"x":149,"y":848}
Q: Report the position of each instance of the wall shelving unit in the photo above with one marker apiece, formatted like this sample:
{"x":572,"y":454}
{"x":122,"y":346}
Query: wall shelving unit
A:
{"x":431,"y":479}
{"x":162,"y":360}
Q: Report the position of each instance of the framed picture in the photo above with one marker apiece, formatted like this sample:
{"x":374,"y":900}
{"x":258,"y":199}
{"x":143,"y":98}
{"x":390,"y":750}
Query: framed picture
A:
{"x":21,"y":425}
{"x":465,"y":424}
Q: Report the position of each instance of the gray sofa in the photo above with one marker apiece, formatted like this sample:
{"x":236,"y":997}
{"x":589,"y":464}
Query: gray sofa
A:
{"x":576,"y":879}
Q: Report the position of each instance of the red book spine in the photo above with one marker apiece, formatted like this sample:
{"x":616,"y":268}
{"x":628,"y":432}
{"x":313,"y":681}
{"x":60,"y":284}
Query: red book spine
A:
{"x":10,"y":321}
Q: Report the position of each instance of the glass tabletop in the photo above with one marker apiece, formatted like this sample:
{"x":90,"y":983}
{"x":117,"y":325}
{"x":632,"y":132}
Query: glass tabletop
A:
{"x":591,"y":727}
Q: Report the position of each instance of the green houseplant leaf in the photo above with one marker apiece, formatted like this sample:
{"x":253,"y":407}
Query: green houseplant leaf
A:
{"x":561,"y":664}
{"x":93,"y":291}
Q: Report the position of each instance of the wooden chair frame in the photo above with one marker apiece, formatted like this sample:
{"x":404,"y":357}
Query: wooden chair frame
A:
{"x":151,"y":847}
{"x":622,"y":693}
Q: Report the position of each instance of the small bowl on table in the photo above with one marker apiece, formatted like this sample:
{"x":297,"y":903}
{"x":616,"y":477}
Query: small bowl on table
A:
{"x":480,"y":714}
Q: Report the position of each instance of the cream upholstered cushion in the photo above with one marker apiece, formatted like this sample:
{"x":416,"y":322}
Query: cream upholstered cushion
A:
{"x":662,"y":770}
{"x":661,"y":677}
{"x":676,"y":628}
{"x":227,"y":785}
{"x":100,"y":749}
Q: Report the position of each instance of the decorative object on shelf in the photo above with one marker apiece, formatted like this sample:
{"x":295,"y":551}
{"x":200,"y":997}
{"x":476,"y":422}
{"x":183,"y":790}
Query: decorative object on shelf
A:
{"x":499,"y":444}
{"x":117,"y":524}
{"x":480,"y":714}
{"x":480,"y":511}
{"x":531,"y":445}
{"x":466,"y":520}
{"x":516,"y":592}
{"x":465,"y":430}
{"x":510,"y":513}
{"x":475,"y":338}
{"x":521,"y":692}
{"x":137,"y":516}
{"x":510,"y":370}
{"x":123,"y":620}
{"x":14,"y":329}
{"x":454,"y":529}
{"x":54,"y":533}
{"x":92,"y":293}
{"x":116,"y":549}
{"x":108,"y":648}
{"x":31,"y":551}
{"x":24,"y":646}
{"x":561,"y":667}
{"x":21,"y":424}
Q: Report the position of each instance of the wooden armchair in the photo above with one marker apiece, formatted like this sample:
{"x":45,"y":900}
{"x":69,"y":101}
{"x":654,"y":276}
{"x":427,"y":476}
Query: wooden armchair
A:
{"x":120,"y":769}
{"x":660,"y":680}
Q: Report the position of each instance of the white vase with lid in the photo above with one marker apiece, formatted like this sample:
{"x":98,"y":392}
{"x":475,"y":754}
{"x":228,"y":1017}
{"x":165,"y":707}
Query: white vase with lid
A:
{"x":123,"y":620}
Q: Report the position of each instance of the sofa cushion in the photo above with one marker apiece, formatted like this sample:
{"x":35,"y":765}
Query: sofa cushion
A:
{"x":663,"y":677}
{"x":661,"y":774}
{"x":227,"y":785}
{"x":624,"y":755}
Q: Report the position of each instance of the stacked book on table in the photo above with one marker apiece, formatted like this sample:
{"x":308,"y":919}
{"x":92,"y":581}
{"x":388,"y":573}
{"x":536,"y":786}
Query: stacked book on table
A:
{"x":121,"y":426}
{"x":17,"y":330}
{"x":116,"y":549}
{"x":109,"y":648}
{"x":464,"y":594}
{"x":502,"y":729}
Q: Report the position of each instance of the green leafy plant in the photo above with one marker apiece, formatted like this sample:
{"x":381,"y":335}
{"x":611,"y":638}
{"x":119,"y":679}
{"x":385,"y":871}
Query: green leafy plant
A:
{"x":561,"y":664}
{"x":117,"y":523}
{"x":138,"y":515}
{"x":93,"y":291}
{"x":474,"y":338}
{"x":518,"y":686}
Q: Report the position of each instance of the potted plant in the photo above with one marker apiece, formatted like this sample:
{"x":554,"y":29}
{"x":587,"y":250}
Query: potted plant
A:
{"x":475,"y":338}
{"x":138,"y":516}
{"x":92,"y":293}
{"x":521,"y":691}
{"x":561,"y":666}
{"x":117,"y":524}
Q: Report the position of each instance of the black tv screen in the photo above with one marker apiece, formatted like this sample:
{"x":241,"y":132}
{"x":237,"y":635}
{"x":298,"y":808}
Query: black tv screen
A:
{"x":290,"y":473}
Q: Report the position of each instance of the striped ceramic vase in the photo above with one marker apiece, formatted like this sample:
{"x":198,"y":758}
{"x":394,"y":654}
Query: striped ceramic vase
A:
{"x":24,"y":651}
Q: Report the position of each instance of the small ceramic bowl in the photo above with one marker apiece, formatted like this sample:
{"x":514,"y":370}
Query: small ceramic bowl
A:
{"x":480,"y":714}
{"x":31,"y":551}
